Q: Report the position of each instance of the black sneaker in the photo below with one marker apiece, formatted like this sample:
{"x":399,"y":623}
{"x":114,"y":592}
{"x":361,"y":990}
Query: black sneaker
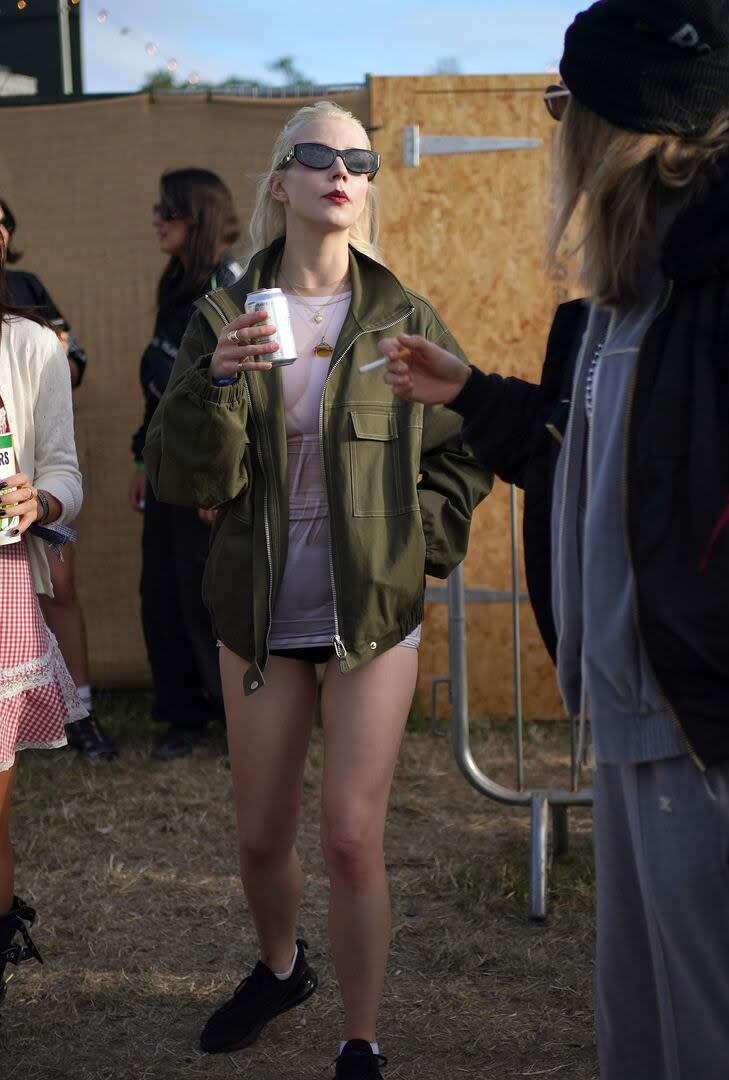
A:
{"x":255,"y":1001}
{"x":176,"y":743}
{"x":357,"y":1061}
{"x":91,"y":741}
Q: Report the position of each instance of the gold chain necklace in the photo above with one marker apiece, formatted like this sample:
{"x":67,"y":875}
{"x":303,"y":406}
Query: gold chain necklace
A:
{"x":314,"y":310}
{"x":323,"y":349}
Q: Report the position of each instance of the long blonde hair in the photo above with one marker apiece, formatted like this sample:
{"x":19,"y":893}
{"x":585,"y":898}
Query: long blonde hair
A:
{"x":268,"y":221}
{"x":618,"y":180}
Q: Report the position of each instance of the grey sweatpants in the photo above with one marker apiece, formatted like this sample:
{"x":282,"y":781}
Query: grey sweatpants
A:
{"x":662,"y":981}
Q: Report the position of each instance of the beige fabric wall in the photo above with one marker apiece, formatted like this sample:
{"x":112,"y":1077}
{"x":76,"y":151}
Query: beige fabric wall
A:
{"x":81,"y":180}
{"x":466,"y":230}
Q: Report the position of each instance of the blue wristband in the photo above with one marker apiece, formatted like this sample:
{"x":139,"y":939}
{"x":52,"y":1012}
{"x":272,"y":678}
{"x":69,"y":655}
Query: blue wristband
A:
{"x":225,"y":382}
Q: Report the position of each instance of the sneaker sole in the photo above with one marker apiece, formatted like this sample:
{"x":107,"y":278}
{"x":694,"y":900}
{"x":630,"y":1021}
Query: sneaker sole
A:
{"x":253,"y":1034}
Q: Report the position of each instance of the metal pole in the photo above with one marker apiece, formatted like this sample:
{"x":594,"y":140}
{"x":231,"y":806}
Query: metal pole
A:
{"x":516,"y":636}
{"x":538,"y":883}
{"x":64,"y":35}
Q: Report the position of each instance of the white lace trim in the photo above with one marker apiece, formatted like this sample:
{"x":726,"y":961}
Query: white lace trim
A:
{"x":41,"y":672}
{"x":54,"y":744}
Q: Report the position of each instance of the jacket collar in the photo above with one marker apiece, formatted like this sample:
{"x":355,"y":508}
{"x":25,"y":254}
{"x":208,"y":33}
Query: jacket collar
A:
{"x":697,"y":245}
{"x":378,"y":298}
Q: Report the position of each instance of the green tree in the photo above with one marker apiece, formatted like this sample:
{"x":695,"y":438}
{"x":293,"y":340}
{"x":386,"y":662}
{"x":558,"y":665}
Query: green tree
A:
{"x":237,"y":80}
{"x":285,"y":68}
{"x":288,"y":71}
{"x":161,"y":79}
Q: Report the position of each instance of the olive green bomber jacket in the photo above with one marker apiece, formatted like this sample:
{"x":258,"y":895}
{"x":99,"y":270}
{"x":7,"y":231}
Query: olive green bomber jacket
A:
{"x":401,"y":485}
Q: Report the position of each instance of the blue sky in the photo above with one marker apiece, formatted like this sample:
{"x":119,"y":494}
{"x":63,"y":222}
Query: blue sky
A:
{"x":330,"y":42}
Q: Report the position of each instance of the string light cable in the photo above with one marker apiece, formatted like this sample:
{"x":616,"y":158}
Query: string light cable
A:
{"x":106,"y":18}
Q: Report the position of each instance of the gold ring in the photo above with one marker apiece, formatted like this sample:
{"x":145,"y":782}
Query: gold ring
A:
{"x":233,"y":337}
{"x":239,"y":365}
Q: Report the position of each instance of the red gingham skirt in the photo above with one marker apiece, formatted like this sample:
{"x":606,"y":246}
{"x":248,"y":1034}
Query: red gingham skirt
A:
{"x":37,"y":694}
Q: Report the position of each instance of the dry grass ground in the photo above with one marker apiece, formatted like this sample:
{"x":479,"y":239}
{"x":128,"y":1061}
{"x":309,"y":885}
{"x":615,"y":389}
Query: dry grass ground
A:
{"x":141,"y":919}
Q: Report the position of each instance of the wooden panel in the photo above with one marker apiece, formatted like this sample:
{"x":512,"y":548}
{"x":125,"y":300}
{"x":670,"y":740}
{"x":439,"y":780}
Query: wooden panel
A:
{"x":468,"y":231}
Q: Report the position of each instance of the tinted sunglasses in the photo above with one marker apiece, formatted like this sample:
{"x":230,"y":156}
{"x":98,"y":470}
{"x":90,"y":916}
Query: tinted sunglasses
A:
{"x":556,"y":98}
{"x":316,"y":155}
{"x":165,"y":212}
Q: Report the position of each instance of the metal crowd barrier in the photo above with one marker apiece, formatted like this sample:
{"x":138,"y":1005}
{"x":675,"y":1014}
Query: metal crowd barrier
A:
{"x":540,"y":800}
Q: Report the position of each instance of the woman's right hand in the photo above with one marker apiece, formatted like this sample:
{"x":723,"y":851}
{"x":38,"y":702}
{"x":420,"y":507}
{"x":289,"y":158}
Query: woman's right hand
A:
{"x":138,"y":490}
{"x":418,"y":370}
{"x":248,"y":352}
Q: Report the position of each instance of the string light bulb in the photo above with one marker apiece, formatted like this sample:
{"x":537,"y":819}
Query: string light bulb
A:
{"x":21,"y":5}
{"x":151,"y":48}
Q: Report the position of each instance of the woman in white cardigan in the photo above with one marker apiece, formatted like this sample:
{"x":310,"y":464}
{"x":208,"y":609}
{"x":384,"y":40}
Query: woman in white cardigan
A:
{"x":37,"y":695}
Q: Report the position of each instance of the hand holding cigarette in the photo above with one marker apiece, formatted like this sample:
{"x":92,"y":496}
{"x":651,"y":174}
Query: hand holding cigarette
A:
{"x":418,"y":370}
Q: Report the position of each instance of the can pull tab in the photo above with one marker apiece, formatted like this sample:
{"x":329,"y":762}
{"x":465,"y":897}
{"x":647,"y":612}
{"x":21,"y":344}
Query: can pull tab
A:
{"x":341,"y":652}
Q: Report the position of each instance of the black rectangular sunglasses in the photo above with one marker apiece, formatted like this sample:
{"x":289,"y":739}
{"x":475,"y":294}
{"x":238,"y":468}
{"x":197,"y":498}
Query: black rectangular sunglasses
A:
{"x":318,"y":156}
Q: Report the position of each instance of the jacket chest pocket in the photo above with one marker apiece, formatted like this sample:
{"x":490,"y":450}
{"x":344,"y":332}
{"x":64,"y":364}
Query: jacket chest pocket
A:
{"x":382,"y":475}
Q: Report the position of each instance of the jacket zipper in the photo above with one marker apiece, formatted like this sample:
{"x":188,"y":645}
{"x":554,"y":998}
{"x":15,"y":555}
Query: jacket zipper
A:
{"x":626,"y":432}
{"x":266,"y":524}
{"x":339,"y":647}
{"x":567,"y":450}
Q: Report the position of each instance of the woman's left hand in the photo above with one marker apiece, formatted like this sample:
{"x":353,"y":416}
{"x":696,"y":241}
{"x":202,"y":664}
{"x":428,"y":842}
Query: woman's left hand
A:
{"x":18,"y":498}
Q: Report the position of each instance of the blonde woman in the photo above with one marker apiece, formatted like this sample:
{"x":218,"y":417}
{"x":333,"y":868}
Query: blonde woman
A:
{"x":633,"y":511}
{"x":333,"y":503}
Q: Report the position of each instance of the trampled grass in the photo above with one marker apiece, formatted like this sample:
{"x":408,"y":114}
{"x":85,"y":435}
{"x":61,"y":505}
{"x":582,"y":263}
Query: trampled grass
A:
{"x":142,"y":921}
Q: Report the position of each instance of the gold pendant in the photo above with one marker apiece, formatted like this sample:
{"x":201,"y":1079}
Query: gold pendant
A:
{"x":323,"y":349}
{"x":318,"y":318}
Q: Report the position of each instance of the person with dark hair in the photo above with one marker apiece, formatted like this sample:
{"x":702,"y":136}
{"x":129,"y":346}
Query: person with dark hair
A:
{"x":629,"y":539}
{"x":332,"y":506}
{"x":40,"y":485}
{"x":62,"y":608}
{"x":196,"y":225}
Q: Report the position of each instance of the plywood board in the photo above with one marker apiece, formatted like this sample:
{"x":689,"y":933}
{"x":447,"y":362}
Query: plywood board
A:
{"x":468,"y":231}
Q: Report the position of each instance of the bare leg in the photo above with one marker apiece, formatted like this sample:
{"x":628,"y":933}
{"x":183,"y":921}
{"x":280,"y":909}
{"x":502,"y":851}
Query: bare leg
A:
{"x":65,"y":617}
{"x":268,"y":736}
{"x":7,"y":864}
{"x":363,"y":715}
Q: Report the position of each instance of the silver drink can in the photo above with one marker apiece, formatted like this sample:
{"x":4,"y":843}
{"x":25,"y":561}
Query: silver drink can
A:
{"x":276,"y":307}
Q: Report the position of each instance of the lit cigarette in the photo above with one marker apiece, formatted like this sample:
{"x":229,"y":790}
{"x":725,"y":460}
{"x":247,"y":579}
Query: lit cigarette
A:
{"x":374,"y":364}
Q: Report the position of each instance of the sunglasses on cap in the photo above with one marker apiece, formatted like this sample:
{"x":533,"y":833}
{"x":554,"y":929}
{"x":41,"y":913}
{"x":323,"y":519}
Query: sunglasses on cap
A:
{"x":556,"y":98}
{"x":316,"y":155}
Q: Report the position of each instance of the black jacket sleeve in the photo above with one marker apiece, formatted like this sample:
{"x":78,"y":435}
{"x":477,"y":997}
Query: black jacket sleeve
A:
{"x":515,"y":428}
{"x":27,"y":290}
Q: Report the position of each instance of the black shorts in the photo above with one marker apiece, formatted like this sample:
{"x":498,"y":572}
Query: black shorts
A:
{"x":315,"y":654}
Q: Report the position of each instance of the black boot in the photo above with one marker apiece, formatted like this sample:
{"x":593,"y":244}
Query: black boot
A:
{"x":89,"y":738}
{"x":12,"y":951}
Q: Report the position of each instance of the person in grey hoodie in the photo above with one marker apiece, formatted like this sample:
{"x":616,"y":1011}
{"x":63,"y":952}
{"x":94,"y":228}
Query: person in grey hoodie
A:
{"x":630,"y":542}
